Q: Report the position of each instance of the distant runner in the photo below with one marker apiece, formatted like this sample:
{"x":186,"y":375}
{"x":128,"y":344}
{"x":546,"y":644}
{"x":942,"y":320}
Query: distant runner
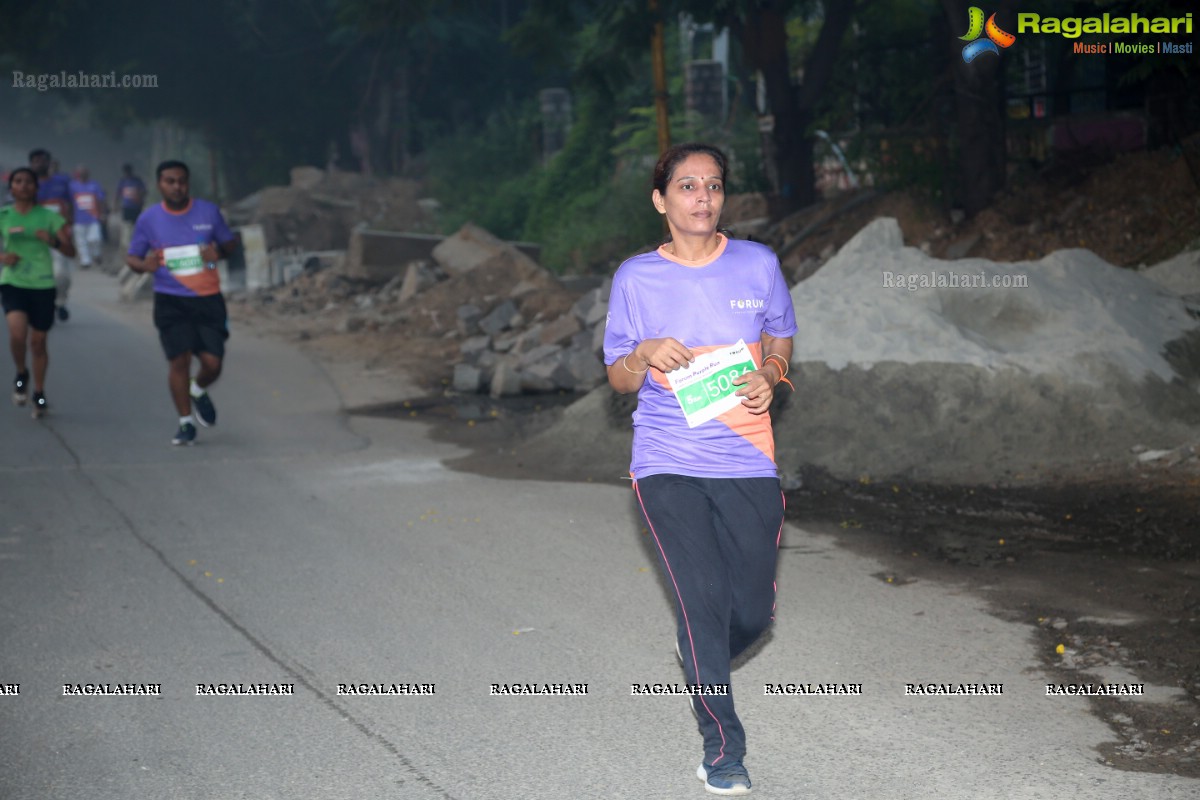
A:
{"x":29,"y":232}
{"x":131,"y":194}
{"x":54,"y":192}
{"x":180,"y":240}
{"x":90,"y":211}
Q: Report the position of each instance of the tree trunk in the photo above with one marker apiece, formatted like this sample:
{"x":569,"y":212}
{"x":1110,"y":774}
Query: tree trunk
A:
{"x":979,"y":100}
{"x":763,"y":36}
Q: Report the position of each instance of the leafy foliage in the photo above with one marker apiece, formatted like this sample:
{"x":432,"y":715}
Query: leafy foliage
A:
{"x":447,"y":89}
{"x":485,"y":174}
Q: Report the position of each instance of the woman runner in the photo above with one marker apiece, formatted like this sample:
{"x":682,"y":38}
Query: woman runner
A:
{"x":27,"y":288}
{"x":714,"y":315}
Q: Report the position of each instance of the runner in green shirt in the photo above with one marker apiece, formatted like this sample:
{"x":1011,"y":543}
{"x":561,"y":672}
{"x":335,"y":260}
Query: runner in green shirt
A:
{"x":27,"y":289}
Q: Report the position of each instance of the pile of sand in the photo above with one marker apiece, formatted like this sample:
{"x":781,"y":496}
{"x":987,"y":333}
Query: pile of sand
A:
{"x":973,"y":370}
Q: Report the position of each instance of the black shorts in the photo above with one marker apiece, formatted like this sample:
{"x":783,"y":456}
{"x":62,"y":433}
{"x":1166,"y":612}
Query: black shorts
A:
{"x":37,"y":304}
{"x":130,"y":214}
{"x":191,"y":324}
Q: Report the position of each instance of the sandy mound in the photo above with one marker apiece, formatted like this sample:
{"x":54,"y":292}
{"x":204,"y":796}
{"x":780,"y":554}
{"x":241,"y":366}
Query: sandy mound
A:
{"x":1069,"y":315}
{"x":1180,"y":275}
{"x":912,"y":366}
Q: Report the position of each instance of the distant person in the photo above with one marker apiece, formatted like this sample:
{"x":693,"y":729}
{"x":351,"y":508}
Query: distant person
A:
{"x":360,"y":146}
{"x":54,"y":192}
{"x":29,"y":233}
{"x":179,"y":241}
{"x":131,"y":193}
{"x":90,"y":211}
{"x":707,"y":483}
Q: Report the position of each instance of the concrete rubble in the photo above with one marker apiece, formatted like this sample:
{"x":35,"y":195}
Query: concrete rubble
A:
{"x":319,"y":209}
{"x":514,"y":342}
{"x":514,"y":327}
{"x":344,"y":237}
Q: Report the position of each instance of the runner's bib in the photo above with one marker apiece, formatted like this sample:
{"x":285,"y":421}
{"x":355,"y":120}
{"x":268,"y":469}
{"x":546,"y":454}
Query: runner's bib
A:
{"x":705,"y":389}
{"x":183,"y":260}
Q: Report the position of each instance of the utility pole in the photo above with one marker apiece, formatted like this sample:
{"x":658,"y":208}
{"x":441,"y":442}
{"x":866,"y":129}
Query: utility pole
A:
{"x":658,"y":59}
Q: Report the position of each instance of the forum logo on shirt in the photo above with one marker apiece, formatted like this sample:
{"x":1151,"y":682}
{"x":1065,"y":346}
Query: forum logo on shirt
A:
{"x":742,"y":305}
{"x":996,"y":38}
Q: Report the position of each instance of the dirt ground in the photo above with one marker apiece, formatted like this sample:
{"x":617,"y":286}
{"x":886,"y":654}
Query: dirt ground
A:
{"x":1106,"y":568}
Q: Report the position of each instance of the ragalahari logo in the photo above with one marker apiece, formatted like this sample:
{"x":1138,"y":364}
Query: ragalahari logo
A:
{"x":996,"y":38}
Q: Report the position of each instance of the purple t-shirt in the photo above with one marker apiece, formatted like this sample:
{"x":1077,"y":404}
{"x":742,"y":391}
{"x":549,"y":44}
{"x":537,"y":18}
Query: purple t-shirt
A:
{"x":180,"y":234}
{"x":54,"y":192}
{"x":87,"y":196}
{"x":132,"y":192}
{"x":737,"y":293}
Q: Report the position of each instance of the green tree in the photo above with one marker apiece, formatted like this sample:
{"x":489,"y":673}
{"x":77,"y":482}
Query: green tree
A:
{"x":760,"y":28}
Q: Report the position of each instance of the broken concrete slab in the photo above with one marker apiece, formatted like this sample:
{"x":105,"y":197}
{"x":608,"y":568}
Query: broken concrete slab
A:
{"x":472,"y":246}
{"x":506,"y":380}
{"x":560,"y":330}
{"x":380,"y":255}
{"x":473,"y":346}
{"x":467,"y":318}
{"x":418,"y":276}
{"x":500,"y":318}
{"x":538,"y":354}
{"x":593,"y":306}
{"x":467,"y":378}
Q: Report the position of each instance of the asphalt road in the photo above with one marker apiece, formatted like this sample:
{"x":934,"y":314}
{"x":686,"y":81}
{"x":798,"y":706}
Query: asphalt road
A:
{"x":295,"y":545}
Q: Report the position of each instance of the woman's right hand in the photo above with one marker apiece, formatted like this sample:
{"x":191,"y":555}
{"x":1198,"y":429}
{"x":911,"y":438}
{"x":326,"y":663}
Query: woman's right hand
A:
{"x":628,"y":373}
{"x":663,"y":354}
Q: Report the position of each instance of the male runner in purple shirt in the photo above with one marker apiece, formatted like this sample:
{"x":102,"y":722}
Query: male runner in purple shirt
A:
{"x":179,"y":241}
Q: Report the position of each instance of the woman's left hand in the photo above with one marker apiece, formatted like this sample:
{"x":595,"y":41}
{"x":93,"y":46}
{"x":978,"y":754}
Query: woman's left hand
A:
{"x":758,"y":388}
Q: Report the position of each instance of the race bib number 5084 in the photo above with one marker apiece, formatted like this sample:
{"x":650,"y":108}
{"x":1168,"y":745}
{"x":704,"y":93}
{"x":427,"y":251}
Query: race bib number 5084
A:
{"x":705,"y":389}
